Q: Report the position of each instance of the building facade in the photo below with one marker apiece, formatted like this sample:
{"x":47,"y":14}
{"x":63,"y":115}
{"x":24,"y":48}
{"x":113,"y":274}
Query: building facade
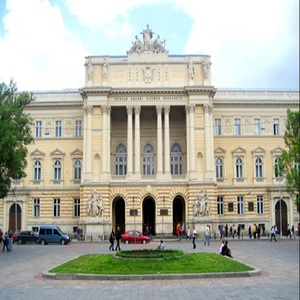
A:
{"x":149,"y":141}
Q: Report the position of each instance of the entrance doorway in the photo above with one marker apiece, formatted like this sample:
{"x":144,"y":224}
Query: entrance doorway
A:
{"x":149,"y":215}
{"x":281,"y":206}
{"x":119,"y":213}
{"x":15,"y":217}
{"x":178,"y":212}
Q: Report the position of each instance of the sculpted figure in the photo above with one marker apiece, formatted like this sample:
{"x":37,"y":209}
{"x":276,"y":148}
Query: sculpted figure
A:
{"x":147,"y":36}
{"x":197,"y":207}
{"x":191,"y":69}
{"x":204,"y":204}
{"x":90,"y":69}
{"x":136,"y":46}
{"x":105,"y":70}
{"x":95,"y":206}
{"x":158,"y":45}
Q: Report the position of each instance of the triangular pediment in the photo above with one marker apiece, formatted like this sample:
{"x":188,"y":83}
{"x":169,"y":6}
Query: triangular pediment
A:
{"x":57,"y":152}
{"x":220,"y":150}
{"x":239,"y":150}
{"x":259,"y":150}
{"x":277,"y":150}
{"x":37,"y":152}
{"x":76,"y":152}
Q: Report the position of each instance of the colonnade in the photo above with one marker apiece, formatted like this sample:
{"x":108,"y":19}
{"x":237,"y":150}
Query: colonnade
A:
{"x":163,"y":142}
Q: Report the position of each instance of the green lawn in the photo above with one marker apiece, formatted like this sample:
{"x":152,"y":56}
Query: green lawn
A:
{"x":175,"y":263}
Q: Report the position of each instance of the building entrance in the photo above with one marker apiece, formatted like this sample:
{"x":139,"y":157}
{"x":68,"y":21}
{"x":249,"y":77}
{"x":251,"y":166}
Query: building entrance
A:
{"x":149,"y":215}
{"x":15,"y":214}
{"x":281,"y":216}
{"x":178,"y":212}
{"x":119,"y":213}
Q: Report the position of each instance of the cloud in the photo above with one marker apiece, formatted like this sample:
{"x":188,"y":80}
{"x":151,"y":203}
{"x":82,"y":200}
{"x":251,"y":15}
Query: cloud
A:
{"x":39,"y":47}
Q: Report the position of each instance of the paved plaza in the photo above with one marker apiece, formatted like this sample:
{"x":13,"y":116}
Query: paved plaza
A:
{"x":21,"y":273}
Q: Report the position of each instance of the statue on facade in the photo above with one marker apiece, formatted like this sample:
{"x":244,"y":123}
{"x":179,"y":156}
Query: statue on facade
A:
{"x":201,"y":206}
{"x":90,"y":69}
{"x":148,"y":45}
{"x":105,"y":71}
{"x":205,"y":65}
{"x":95,"y":205}
{"x":191,"y":69}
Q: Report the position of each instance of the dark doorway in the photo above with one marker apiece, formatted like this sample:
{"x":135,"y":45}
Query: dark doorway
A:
{"x":178,"y":212}
{"x":283,"y":216}
{"x":15,"y":217}
{"x":149,"y":215}
{"x":120,"y":214}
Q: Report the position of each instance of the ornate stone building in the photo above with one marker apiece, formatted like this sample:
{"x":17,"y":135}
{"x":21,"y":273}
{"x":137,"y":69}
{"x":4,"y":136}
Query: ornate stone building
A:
{"x":149,"y":141}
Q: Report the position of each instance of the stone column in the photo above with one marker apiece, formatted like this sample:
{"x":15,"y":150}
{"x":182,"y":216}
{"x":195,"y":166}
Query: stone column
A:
{"x":192,"y":174}
{"x":88,"y":131}
{"x":84,"y":163}
{"x":137,"y":140}
{"x":108,"y":158}
{"x":167,"y":150}
{"x":209,"y":149}
{"x":104,"y":109}
{"x":159,"y":142}
{"x":129,"y":141}
{"x":187,"y":114}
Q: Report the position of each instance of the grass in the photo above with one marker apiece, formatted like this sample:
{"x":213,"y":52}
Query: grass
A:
{"x":172,"y":263}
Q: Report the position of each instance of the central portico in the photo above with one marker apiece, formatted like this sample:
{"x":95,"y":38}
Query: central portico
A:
{"x":148,"y":138}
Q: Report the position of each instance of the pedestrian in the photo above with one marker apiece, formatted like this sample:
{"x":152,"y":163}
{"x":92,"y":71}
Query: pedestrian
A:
{"x":239,"y":231}
{"x":161,"y":245}
{"x":289,"y":232}
{"x":298,"y":230}
{"x":182,"y":231}
{"x":207,"y":235}
{"x":233,"y":231}
{"x":118,"y":237}
{"x":112,"y":240}
{"x":221,"y":247}
{"x":273,"y":234}
{"x":293,"y":231}
{"x":178,"y":231}
{"x":249,"y":232}
{"x":226,"y":251}
{"x":194,"y":237}
{"x":1,"y":236}
{"x":188,"y":235}
{"x":5,"y":242}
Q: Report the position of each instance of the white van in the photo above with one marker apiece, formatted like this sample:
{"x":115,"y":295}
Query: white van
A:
{"x":52,"y":234}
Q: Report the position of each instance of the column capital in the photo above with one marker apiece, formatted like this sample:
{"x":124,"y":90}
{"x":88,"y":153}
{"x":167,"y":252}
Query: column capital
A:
{"x":137,"y":109}
{"x":129,"y":109}
{"x":159,"y":109}
{"x":88,"y":109}
{"x":190,"y":108}
{"x":105,"y":109}
{"x":167,"y":109}
{"x":208,"y":108}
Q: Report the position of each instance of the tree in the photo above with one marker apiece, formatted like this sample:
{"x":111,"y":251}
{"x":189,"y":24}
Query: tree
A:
{"x":289,"y":162}
{"x":15,"y":133}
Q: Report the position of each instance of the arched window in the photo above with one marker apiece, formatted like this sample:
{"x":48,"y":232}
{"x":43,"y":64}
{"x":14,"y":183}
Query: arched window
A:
{"x":121,"y":160}
{"x":57,"y":170}
{"x":176,"y":160}
{"x":148,"y":160}
{"x":277,"y":170}
{"x":239,"y":167}
{"x":37,"y":170}
{"x":219,"y":168}
{"x":77,"y":170}
{"x":258,"y":168}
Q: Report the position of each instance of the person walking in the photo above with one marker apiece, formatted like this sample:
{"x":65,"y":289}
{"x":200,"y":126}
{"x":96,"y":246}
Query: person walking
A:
{"x":194,"y":237}
{"x":118,"y":237}
{"x":273,"y":234}
{"x":178,"y":231}
{"x":5,"y":242}
{"x":112,"y":240}
{"x":207,"y":235}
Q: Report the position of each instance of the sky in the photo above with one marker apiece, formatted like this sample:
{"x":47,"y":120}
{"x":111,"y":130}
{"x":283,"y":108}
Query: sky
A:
{"x":253,"y":44}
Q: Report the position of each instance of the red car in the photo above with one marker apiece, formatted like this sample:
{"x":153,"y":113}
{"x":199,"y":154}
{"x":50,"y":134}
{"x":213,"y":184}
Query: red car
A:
{"x":134,"y":237}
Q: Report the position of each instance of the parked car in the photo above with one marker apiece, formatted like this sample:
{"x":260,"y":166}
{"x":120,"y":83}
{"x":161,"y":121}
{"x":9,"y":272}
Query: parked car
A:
{"x":134,"y":237}
{"x":53,"y":234}
{"x":27,"y":237}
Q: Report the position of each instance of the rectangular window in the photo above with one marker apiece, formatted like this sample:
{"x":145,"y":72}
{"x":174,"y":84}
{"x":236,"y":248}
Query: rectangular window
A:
{"x":237,"y":126}
{"x":218,"y":130}
{"x":76,"y":207}
{"x":220,"y":204}
{"x":38,"y":129}
{"x":240,"y":205}
{"x":36,"y":207}
{"x":276,"y":126}
{"x":58,"y":129}
{"x":260,"y":204}
{"x":56,"y":207}
{"x":250,"y":206}
{"x":257,"y":126}
{"x":78,"y":128}
{"x":230,"y":206}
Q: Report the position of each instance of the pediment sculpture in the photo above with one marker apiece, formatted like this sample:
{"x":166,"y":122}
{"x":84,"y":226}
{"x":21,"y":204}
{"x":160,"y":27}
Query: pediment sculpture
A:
{"x":95,"y":205}
{"x":201,"y":205}
{"x":156,"y":46}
